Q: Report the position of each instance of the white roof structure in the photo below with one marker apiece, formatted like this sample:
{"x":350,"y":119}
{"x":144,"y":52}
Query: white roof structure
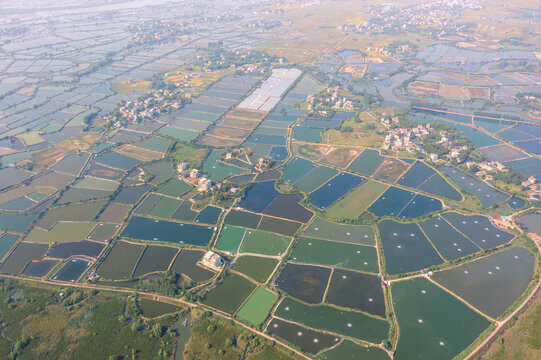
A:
{"x":268,"y":94}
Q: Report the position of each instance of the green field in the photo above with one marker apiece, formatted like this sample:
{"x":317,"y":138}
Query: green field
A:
{"x":77,"y":212}
{"x":521,"y":341}
{"x":165,"y":207}
{"x":230,"y":294}
{"x":154,"y":143}
{"x":179,"y":134}
{"x":258,"y":268}
{"x":264,"y":243}
{"x":230,"y":238}
{"x":332,"y":253}
{"x":357,"y":201}
{"x":96,"y":326}
{"x":174,"y":188}
{"x":256,"y":308}
{"x":61,"y":232}
{"x":211,"y":336}
{"x":95,"y":183}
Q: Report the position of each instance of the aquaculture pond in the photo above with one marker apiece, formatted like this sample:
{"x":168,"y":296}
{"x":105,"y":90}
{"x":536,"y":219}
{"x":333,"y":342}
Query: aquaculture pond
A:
{"x":229,"y":295}
{"x":406,"y":248}
{"x":103,"y":232}
{"x":131,"y":194}
{"x":296,"y":169}
{"x":255,"y":267}
{"x":356,"y":291}
{"x":343,"y":322}
{"x":421,"y":176}
{"x":155,"y":258}
{"x":185,"y":263}
{"x":304,"y":282}
{"x":22,"y":255}
{"x":287,"y":206}
{"x":242,"y":218}
{"x":7,"y":240}
{"x":120,"y":262}
{"x":404,"y":204}
{"x":531,"y":222}
{"x":230,"y":238}
{"x":85,"y":247}
{"x":259,"y":196}
{"x":308,"y":340}
{"x":492,"y":283}
{"x":433,"y":323}
{"x":478,"y":229}
{"x":326,"y":230}
{"x":315,"y":178}
{"x":173,"y":232}
{"x":348,"y":350}
{"x":331,"y":253}
{"x":152,"y":309}
{"x":256,"y":308}
{"x":486,"y":194}
{"x":448,"y":241}
{"x":264,"y":243}
{"x":280,"y":226}
{"x":71,"y":271}
{"x":367,"y":162}
{"x":39,"y":268}
{"x":334,"y":189}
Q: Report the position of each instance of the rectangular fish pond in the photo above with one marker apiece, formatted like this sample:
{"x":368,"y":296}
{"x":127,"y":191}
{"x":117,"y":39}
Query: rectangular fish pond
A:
{"x":173,"y":232}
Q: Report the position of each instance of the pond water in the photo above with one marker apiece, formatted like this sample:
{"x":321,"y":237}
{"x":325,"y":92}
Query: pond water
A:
{"x":531,"y":222}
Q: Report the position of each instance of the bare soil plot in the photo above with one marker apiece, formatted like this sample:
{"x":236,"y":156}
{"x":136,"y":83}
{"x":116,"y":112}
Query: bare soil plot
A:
{"x":424,"y":88}
{"x":477,"y":92}
{"x":357,"y":71}
{"x":340,"y":157}
{"x":214,"y":141}
{"x":455,"y":92}
{"x":390,"y":170}
{"x":310,"y":152}
{"x":139,"y":153}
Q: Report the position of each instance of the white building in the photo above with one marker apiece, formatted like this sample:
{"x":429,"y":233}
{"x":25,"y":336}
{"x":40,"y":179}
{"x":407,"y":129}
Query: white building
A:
{"x":212,"y":260}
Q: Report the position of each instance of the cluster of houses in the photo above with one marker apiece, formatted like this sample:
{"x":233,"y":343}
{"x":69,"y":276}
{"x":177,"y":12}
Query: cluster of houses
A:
{"x":157,"y":102}
{"x":405,"y":139}
{"x":334,"y":100}
{"x":388,"y":16}
{"x":202,"y":183}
